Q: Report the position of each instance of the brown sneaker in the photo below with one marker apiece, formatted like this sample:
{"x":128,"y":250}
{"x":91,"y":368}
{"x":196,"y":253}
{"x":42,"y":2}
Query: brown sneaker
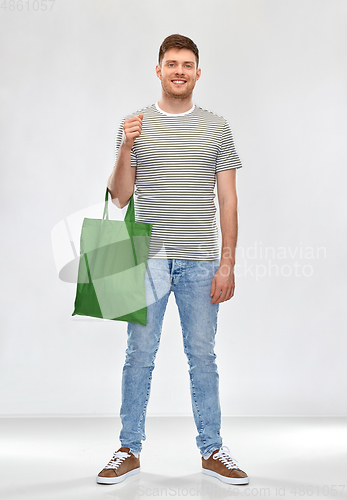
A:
{"x":223,"y":466}
{"x":122,"y":464}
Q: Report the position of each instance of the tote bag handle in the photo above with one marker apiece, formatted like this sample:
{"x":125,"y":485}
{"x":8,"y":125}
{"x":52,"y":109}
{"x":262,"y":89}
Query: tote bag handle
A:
{"x":129,"y":217}
{"x":130,"y":214}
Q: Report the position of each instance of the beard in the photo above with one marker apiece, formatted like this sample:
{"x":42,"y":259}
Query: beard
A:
{"x":180,"y":96}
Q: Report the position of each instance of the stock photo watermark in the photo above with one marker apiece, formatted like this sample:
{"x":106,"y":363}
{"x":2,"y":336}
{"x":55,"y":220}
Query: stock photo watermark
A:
{"x":27,"y":5}
{"x":260,"y":261}
{"x":231,"y":491}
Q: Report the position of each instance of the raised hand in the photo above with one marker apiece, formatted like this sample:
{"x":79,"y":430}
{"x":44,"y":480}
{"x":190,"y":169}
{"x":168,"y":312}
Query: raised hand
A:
{"x":132,"y":130}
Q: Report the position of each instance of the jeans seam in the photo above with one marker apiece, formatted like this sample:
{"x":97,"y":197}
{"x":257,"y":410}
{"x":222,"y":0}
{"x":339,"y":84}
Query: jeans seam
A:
{"x":145,"y":406}
{"x":152,"y":284}
{"x":142,"y":418}
{"x":201,"y":426}
{"x":197,"y":409}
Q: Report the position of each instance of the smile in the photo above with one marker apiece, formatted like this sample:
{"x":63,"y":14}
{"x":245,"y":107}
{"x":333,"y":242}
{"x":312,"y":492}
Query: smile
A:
{"x":179,"y":82}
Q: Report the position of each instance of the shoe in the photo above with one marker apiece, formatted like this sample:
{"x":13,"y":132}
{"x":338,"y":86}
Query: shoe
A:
{"x":223,"y":466}
{"x":122,"y":464}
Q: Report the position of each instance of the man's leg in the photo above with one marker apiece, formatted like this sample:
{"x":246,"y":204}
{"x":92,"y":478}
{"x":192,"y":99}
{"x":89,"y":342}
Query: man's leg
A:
{"x":143,"y":343}
{"x":198,"y":317}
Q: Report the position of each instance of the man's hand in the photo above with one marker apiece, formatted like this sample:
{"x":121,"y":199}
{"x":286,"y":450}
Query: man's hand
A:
{"x":132,"y":129}
{"x":223,"y":283}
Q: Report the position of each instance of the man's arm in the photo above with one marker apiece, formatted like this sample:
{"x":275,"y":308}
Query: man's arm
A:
{"x":121,"y":182}
{"x":224,"y":280}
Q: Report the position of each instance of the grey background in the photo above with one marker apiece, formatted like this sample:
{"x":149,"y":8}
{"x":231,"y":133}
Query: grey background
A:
{"x":276,"y":69}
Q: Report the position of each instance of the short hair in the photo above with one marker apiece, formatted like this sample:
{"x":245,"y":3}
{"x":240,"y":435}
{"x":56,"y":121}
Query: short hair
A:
{"x":179,"y":42}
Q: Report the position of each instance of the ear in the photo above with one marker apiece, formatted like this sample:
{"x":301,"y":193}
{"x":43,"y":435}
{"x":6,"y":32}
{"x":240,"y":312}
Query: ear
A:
{"x":198,"y":74}
{"x":158,"y":71}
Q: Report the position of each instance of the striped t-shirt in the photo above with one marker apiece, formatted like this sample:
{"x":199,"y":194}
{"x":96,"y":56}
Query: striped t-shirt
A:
{"x":177,"y":157}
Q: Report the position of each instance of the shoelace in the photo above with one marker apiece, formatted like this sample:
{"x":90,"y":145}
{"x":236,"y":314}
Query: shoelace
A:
{"x":225,"y":457}
{"x":117,"y":459}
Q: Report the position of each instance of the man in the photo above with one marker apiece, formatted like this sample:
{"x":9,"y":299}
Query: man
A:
{"x":174,"y":151}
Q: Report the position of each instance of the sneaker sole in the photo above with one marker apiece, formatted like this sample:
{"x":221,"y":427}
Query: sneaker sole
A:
{"x":117,"y":479}
{"x":228,"y":480}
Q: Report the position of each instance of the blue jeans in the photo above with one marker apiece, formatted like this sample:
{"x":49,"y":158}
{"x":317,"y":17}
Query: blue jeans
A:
{"x":191,"y":283}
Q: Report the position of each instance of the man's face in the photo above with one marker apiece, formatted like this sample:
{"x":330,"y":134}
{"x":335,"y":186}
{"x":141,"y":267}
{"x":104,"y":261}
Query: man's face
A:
{"x":178,"y":73}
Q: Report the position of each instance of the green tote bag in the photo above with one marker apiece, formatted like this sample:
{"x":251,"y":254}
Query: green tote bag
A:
{"x":112,"y":266}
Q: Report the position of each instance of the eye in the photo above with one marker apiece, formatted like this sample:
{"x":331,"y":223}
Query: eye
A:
{"x":188,"y":65}
{"x":171,"y":64}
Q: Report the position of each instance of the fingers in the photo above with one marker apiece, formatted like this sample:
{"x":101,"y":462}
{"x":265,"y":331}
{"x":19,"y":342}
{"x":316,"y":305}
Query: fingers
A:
{"x":213,"y":287}
{"x":223,"y":284}
{"x":218,"y":293}
{"x":134,"y":120}
{"x":133,"y":125}
{"x":222,"y":295}
{"x":221,"y":292}
{"x":218,"y":296}
{"x":132,"y":128}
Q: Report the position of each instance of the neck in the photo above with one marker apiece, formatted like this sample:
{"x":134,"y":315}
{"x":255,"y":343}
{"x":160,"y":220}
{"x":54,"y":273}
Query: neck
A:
{"x":174,"y":105}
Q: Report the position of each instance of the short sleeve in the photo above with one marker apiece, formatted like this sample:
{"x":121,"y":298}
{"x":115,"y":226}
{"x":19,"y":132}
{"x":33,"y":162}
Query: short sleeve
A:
{"x":118,"y":142}
{"x":227,"y":156}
